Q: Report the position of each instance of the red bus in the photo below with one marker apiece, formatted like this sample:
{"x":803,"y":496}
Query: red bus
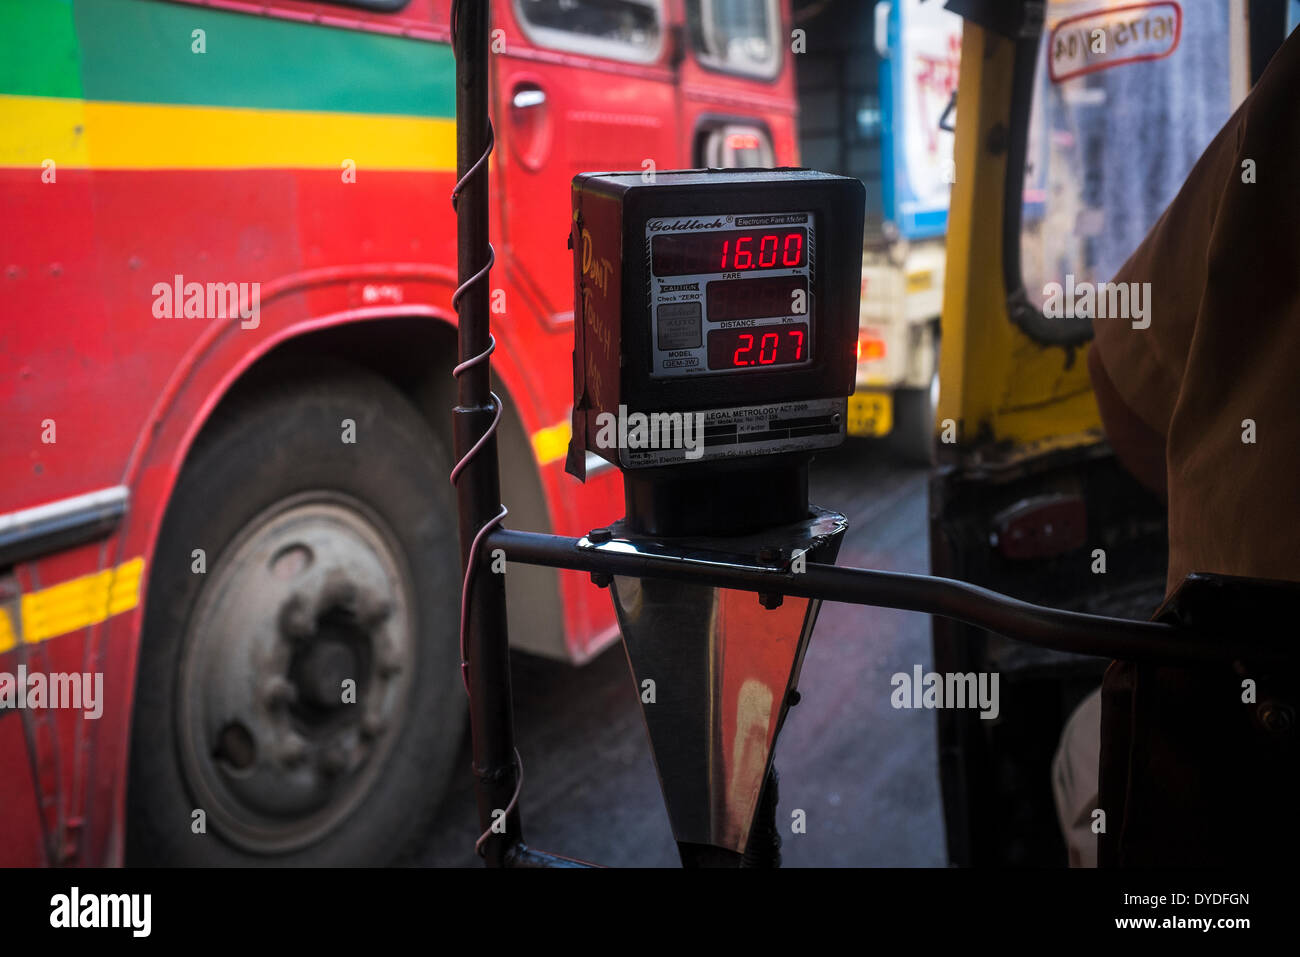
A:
{"x":228,"y":560}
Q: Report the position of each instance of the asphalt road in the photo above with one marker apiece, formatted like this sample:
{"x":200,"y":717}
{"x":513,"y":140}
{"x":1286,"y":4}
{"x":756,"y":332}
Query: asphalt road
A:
{"x":864,"y":773}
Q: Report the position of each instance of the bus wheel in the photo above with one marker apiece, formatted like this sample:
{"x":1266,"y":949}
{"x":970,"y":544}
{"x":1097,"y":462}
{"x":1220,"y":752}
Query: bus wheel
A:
{"x":298,"y":695}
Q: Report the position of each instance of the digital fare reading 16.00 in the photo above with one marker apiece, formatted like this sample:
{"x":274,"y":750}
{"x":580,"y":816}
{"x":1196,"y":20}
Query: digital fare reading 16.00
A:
{"x":732,"y":251}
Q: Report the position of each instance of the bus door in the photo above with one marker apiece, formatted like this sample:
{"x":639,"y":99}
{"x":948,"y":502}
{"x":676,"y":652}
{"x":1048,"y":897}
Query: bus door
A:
{"x":737,"y":84}
{"x":579,"y":85}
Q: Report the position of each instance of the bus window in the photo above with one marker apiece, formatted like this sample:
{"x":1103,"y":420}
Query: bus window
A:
{"x":739,"y":36}
{"x":618,"y":29}
{"x":1126,"y":98}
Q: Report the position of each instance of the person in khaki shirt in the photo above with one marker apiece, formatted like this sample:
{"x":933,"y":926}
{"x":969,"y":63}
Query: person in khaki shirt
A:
{"x":1202,"y":406}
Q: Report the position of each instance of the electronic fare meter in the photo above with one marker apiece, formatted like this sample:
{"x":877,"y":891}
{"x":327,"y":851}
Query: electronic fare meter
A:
{"x":715,"y":316}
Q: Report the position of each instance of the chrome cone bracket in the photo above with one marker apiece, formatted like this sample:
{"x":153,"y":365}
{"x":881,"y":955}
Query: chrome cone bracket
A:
{"x":714,"y":669}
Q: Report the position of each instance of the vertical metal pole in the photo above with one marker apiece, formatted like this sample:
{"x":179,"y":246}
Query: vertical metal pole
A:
{"x":478,"y":489}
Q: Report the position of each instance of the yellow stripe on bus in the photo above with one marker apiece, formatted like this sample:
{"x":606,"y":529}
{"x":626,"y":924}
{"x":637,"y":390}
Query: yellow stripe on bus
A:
{"x":89,"y":134}
{"x":552,"y":443}
{"x":8,"y":641}
{"x":83,"y":601}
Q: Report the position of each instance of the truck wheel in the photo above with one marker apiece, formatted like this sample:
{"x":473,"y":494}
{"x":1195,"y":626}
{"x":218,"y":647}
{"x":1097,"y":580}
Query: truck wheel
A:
{"x":298,"y":680}
{"x":912,"y":437}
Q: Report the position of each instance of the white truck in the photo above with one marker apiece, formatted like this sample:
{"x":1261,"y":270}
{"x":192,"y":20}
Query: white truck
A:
{"x":878,"y":102}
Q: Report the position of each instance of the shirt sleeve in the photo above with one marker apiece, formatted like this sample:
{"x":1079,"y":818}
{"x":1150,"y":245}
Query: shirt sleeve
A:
{"x":1217,"y":370}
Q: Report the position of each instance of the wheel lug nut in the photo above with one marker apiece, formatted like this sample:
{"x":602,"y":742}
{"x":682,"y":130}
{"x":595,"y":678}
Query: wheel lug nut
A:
{"x":378,"y":613}
{"x":278,"y":691}
{"x":292,"y":751}
{"x":334,"y":759}
{"x":295,"y":619}
{"x":387,"y":660}
{"x":342,"y":592}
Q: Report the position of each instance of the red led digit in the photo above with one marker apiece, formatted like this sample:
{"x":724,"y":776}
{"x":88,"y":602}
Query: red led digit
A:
{"x":798,"y":250}
{"x":749,"y":257}
{"x":764,"y":347}
{"x":762,"y":252}
{"x":725,"y":244}
{"x":735,"y":360}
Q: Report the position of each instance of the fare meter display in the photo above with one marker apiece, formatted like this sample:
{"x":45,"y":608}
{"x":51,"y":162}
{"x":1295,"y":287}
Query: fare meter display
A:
{"x":728,"y":299}
{"x":729,"y":296}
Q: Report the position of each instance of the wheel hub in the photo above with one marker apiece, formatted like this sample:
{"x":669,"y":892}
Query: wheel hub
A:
{"x":298,"y":662}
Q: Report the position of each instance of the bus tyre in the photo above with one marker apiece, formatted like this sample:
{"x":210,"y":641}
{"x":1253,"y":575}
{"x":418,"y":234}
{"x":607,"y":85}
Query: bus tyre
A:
{"x":298,"y":698}
{"x":912,"y":437}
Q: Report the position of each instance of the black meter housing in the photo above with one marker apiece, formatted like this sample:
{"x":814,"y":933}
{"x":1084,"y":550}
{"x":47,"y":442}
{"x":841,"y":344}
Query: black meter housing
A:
{"x":728,"y":295}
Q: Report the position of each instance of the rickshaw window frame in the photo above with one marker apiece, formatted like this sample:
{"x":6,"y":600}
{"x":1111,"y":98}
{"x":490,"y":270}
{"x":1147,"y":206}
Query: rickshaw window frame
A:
{"x":1020,"y":308}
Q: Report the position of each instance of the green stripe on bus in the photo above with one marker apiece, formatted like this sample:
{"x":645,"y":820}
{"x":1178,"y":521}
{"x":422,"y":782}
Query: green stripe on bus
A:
{"x":38,"y":49}
{"x":143,"y":51}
